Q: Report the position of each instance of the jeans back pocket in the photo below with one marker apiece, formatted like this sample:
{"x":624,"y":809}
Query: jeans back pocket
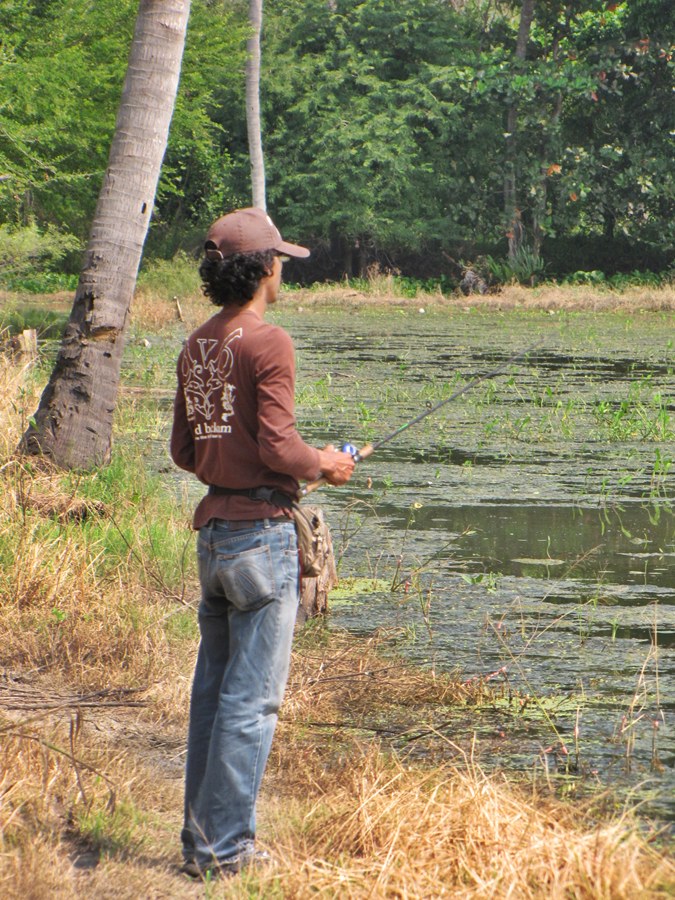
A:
{"x":247,"y":577}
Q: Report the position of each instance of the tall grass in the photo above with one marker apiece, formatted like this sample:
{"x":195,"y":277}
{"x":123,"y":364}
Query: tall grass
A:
{"x":383,"y":290}
{"x":93,"y":596}
{"x":378,"y":828}
{"x":85,"y":581}
{"x":357,"y":821}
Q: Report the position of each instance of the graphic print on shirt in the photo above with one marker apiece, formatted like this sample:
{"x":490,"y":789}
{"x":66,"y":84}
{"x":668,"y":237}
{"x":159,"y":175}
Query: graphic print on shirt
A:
{"x":208,"y":394}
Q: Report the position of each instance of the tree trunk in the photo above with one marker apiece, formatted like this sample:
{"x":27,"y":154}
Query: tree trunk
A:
{"x":253,"y":123}
{"x":511,"y":209}
{"x":362,"y":256}
{"x":551,"y":149}
{"x":73,"y":424}
{"x":347,"y":258}
{"x":548,"y":152}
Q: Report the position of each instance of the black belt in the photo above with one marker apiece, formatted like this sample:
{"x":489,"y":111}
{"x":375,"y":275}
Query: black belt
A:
{"x":243,"y":524}
{"x":264,"y":494}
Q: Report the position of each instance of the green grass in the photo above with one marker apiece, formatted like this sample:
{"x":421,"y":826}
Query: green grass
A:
{"x":110,"y":828}
{"x":40,"y":283}
{"x":134,"y":519}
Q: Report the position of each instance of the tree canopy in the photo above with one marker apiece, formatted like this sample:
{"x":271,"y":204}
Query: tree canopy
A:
{"x":404,"y":132}
{"x":63,"y":65}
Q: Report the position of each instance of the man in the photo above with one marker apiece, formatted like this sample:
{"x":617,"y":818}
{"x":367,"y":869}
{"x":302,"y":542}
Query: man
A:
{"x":234,"y":428}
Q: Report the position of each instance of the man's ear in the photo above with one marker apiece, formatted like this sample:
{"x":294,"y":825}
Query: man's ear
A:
{"x":269,"y":272}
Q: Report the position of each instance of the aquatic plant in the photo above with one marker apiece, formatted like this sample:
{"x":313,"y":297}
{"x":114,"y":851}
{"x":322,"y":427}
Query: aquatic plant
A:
{"x":644,"y":706}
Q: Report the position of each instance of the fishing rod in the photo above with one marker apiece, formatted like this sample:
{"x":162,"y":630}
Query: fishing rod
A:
{"x":369,"y":449}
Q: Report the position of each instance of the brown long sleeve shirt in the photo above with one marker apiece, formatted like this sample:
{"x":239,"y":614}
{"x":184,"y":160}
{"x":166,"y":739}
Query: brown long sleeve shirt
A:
{"x":234,"y":421}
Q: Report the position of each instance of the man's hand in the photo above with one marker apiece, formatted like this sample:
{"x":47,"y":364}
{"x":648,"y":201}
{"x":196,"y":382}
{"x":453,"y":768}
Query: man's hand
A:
{"x":336,"y":466}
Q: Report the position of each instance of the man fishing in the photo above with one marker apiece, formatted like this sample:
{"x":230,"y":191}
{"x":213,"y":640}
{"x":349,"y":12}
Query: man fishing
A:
{"x":234,"y":428}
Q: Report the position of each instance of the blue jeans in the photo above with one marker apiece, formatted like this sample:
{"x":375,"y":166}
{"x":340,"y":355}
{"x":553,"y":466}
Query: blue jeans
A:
{"x":249,"y":581}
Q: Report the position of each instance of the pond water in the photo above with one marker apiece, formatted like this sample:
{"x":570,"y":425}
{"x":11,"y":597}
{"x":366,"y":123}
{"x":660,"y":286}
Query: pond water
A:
{"x":528,"y":526}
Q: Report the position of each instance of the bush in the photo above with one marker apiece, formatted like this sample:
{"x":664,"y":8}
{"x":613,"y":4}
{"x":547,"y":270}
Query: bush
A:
{"x":566,"y":255}
{"x":639,"y":279}
{"x":48,"y":323}
{"x":619,"y":281}
{"x":28,"y":253}
{"x":526,"y":267}
{"x":41,"y":283}
{"x":595,"y":276}
{"x":177,"y":277}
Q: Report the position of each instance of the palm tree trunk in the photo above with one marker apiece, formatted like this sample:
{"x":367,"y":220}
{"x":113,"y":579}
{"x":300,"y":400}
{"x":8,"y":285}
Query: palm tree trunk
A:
{"x":253,"y":121}
{"x":73,"y":423}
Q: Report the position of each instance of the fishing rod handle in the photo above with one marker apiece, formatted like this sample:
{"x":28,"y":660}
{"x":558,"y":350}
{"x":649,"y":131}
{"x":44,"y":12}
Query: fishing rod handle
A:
{"x":311,"y":486}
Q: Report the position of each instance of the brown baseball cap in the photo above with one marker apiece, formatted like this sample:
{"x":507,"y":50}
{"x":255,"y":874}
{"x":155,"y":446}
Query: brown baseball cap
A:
{"x":247,"y":231}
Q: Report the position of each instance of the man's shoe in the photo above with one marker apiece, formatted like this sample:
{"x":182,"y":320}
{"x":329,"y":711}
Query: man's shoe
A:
{"x":191,"y":868}
{"x":226,"y":867}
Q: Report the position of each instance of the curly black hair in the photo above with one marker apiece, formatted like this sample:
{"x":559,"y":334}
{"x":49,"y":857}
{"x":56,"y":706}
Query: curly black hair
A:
{"x":235,"y":280}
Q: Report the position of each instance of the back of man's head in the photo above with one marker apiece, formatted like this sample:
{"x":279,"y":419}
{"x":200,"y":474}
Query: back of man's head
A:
{"x":239,"y":251}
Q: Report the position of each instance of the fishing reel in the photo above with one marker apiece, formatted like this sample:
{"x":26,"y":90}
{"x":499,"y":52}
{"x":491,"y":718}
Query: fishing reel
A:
{"x":352,"y":450}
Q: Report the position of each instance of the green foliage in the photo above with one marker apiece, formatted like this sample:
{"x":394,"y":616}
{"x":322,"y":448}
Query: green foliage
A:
{"x":177,"y":277}
{"x":385,"y":126}
{"x":616,"y":171}
{"x":47,"y":323}
{"x":385,"y":130}
{"x":41,"y":283}
{"x":137,"y":519}
{"x":108,"y":828}
{"x":197,"y":183}
{"x":63,"y":66}
{"x":361,"y":129}
{"x":25,"y":251}
{"x":525,"y":267}
{"x":619,"y":281}
{"x":595,"y":276}
{"x":638,"y":279}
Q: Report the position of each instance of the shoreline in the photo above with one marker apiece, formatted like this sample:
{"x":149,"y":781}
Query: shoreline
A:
{"x":544,"y":297}
{"x":572,"y":298}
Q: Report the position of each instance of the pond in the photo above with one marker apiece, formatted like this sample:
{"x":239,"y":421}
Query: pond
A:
{"x":527,"y":526}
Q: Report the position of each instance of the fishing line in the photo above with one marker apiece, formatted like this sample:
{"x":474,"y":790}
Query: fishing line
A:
{"x":369,"y":449}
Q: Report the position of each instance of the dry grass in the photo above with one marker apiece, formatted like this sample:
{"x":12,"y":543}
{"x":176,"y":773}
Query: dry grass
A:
{"x":379,"y":829}
{"x":382,"y":292}
{"x":97,"y":659}
{"x":66,"y":612}
{"x":336,"y":679}
{"x":18,"y":401}
{"x":151,"y":311}
{"x":81,"y":800}
{"x":70,"y":608}
{"x":354,"y":821}
{"x":91,"y":807}
{"x":155,"y":309}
